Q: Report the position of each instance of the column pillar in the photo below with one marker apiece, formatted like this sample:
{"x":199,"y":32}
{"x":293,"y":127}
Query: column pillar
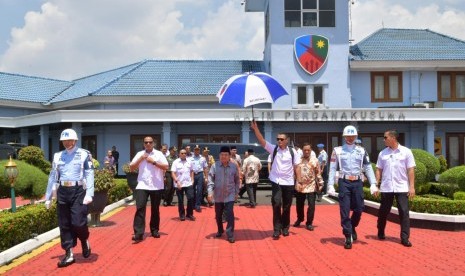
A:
{"x":429,"y":141}
{"x":24,"y":136}
{"x":245,"y":132}
{"x":78,"y":128}
{"x":268,"y":129}
{"x":44,"y":136}
{"x":166,"y":133}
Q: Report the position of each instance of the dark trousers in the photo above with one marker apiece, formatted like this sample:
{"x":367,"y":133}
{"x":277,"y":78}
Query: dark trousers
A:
{"x":141,"y":197}
{"x":72,"y":216}
{"x":169,"y":188}
{"x":281,"y":201}
{"x":189,"y":191}
{"x":252,"y":193}
{"x":324,"y":175}
{"x":300,"y":204}
{"x":228,"y":209}
{"x":350,"y":197}
{"x":198,"y":187}
{"x":404,"y":217}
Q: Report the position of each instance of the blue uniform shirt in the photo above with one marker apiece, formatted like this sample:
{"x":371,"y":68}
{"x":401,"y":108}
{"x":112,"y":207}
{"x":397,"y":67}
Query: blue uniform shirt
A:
{"x":73,"y":166}
{"x":350,"y":160}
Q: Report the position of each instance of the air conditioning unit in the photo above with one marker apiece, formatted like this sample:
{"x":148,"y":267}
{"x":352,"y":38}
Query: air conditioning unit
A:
{"x":421,"y":105}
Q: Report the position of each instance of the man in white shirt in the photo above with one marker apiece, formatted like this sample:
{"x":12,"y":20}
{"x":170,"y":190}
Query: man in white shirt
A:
{"x":183,"y":177}
{"x":283,"y":165}
{"x":151,"y":164}
{"x":396,"y":169}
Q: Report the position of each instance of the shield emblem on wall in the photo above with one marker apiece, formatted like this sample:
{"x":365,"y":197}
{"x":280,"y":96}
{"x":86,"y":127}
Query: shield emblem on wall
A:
{"x":311,"y":52}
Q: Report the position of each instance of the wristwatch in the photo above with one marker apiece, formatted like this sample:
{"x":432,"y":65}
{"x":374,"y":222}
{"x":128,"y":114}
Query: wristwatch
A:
{"x":154,"y":163}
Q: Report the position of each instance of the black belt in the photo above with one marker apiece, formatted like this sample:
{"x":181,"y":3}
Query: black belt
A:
{"x":196,"y":173}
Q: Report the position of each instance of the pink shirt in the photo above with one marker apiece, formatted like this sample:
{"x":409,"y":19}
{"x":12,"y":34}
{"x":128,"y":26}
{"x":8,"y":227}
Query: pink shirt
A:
{"x":394,"y":164}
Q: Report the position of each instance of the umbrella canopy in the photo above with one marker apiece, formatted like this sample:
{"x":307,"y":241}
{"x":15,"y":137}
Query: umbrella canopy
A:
{"x":249,"y":89}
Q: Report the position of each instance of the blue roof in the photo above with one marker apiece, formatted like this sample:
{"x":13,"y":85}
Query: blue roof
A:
{"x":408,"y":45}
{"x":160,"y":78}
{"x":30,"y":89}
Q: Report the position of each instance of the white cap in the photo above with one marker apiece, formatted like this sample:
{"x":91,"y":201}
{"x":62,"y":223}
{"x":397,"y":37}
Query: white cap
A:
{"x":68,"y":134}
{"x":349,"y":131}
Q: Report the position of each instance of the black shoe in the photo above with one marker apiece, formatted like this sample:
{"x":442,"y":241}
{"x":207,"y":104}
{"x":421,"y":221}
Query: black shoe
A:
{"x":348,"y":242}
{"x":231,"y":240}
{"x":285,"y":232}
{"x":318,"y":198}
{"x":381,"y":236}
{"x":165,"y":204}
{"x":309,"y":227}
{"x":182,"y":218}
{"x":354,"y":234}
{"x":172,"y":204}
{"x":85,"y":249}
{"x":218,"y":234}
{"x":210,"y":204}
{"x":191,"y":218}
{"x":276,"y":235}
{"x":137,"y":238}
{"x":406,"y":243}
{"x":252,"y":205}
{"x":155,"y":234}
{"x":297,"y":223}
{"x":67,"y":260}
{"x":198,"y":210}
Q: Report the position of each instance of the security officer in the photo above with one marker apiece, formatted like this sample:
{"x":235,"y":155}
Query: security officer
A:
{"x":350,"y":160}
{"x":72,"y":176}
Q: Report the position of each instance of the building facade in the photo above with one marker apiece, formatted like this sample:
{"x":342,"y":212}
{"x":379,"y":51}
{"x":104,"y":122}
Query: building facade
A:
{"x":408,"y":79}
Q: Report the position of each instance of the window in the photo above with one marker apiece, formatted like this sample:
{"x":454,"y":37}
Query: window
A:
{"x":90,"y":143}
{"x":318,"y":94}
{"x":309,"y":13}
{"x":451,"y":86}
{"x":204,"y":138}
{"x":386,"y":86}
{"x":302,"y":95}
{"x":305,"y":96}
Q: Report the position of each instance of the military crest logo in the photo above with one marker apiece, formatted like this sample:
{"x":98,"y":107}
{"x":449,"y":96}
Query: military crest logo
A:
{"x":311,"y":52}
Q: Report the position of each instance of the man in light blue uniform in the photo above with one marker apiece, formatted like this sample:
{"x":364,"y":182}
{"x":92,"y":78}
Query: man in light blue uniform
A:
{"x":200,"y":168}
{"x":323,"y":160}
{"x":350,"y":160}
{"x":72,"y":176}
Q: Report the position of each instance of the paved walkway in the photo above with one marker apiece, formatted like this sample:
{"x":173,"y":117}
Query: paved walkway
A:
{"x":189,"y":248}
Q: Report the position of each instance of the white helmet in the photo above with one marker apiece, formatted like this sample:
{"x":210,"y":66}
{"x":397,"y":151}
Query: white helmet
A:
{"x":349,"y":131}
{"x":68,"y":134}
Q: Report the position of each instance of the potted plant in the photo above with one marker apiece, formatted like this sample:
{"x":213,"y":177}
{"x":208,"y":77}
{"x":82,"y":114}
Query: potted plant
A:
{"x":131,"y":176}
{"x":103,"y":182}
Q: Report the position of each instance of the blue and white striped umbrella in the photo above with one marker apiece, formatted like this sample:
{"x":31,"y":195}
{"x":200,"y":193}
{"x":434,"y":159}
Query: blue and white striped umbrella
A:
{"x":249,"y":89}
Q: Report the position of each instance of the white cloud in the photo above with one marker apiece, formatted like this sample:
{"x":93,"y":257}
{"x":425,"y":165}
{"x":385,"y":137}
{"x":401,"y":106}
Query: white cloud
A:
{"x":369,"y":16}
{"x":70,"y":39}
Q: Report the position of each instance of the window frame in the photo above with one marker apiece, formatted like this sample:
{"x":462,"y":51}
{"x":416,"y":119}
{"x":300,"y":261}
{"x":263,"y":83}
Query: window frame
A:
{"x":302,"y":11}
{"x":453,"y":87}
{"x":386,"y":76}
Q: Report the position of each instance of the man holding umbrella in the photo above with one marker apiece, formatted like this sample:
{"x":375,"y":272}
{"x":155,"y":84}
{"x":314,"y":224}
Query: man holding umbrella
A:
{"x":283,"y":164}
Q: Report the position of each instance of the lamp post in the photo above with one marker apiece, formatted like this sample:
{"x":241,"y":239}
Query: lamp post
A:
{"x":11,"y":172}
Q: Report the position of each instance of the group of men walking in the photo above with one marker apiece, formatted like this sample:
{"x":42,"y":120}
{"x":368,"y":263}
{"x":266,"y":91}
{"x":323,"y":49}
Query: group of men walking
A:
{"x":71,"y":179}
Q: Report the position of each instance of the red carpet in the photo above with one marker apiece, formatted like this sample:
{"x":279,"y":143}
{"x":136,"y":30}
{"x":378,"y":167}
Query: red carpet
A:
{"x":189,"y":248}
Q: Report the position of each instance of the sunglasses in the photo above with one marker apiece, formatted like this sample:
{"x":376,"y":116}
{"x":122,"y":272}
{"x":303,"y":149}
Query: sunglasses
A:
{"x":385,"y":137}
{"x":182,"y":153}
{"x":148,"y":142}
{"x":280,"y":139}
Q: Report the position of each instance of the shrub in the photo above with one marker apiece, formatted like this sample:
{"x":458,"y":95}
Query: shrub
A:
{"x":35,"y":156}
{"x":461,"y":180}
{"x":31,"y":182}
{"x":420,"y":174}
{"x":127,"y":168}
{"x":451,"y":175}
{"x":428,"y":205}
{"x":103,"y":180}
{"x":120,"y":191}
{"x":432,"y":163}
{"x":444,"y":189}
{"x":27,"y":222}
{"x":442,"y":163}
{"x":95,"y":163}
{"x":423,"y":188}
{"x":459,"y":195}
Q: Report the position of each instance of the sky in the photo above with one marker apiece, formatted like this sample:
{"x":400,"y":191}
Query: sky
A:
{"x":66,"y":39}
